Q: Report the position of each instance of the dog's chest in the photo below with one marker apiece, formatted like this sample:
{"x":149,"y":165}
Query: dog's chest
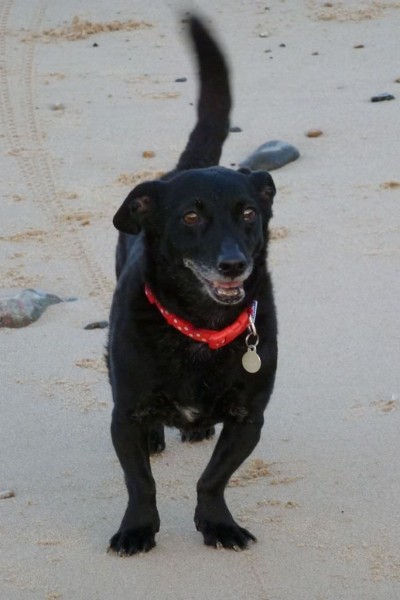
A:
{"x":190,"y":414}
{"x":199,"y":397}
{"x":191,"y":385}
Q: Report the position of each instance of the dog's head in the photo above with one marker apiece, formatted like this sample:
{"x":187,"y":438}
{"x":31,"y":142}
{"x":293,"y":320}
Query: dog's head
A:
{"x":208,"y":225}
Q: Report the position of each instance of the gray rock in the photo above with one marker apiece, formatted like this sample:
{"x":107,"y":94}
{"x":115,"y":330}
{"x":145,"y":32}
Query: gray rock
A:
{"x":382,"y":97}
{"x":25,"y":307}
{"x":271,"y":155}
{"x":97,"y":325}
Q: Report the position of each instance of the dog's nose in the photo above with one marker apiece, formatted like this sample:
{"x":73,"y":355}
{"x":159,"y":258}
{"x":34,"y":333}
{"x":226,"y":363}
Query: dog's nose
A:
{"x":232,"y":264}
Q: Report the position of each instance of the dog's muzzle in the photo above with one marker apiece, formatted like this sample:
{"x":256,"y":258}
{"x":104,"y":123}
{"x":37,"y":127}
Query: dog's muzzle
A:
{"x":224,"y":284}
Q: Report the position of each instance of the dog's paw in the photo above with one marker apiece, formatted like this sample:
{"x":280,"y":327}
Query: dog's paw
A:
{"x":132,"y":541}
{"x":221,"y":535}
{"x":197,"y":434}
{"x":156,"y":439}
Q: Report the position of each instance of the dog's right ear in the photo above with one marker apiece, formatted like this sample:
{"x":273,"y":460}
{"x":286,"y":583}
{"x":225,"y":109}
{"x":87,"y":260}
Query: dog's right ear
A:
{"x":138,"y":207}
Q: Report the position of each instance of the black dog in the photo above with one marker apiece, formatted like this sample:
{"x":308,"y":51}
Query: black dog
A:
{"x":187,"y":348}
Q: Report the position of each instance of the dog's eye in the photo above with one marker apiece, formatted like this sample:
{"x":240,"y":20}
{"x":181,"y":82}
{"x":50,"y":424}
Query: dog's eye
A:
{"x":249,"y":214}
{"x":192,"y":218}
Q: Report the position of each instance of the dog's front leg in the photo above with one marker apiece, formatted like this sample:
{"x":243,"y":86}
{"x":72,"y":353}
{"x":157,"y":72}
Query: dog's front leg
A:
{"x":141,"y":521}
{"x":212,"y":516}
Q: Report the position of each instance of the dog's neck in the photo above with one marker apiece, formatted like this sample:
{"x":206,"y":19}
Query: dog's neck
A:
{"x":214,"y":338}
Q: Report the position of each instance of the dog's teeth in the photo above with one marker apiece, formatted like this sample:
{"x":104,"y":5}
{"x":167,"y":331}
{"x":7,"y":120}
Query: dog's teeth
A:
{"x":228,"y":291}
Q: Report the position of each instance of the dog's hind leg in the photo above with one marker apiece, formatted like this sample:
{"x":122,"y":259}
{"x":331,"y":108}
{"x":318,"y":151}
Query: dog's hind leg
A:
{"x":141,"y":521}
{"x":212,"y":516}
{"x":156,"y":439}
{"x":205,"y":143}
{"x":197,"y":434}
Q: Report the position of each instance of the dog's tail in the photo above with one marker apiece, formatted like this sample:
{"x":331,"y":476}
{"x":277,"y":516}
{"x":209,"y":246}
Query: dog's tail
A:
{"x":205,"y":143}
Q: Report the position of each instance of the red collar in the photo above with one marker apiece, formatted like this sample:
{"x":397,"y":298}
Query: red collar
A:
{"x":215,"y":339}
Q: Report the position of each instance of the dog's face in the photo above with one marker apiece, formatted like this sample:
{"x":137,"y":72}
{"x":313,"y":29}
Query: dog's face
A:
{"x":207,"y":223}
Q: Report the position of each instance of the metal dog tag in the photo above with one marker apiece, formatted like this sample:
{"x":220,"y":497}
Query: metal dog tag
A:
{"x":251,"y":361}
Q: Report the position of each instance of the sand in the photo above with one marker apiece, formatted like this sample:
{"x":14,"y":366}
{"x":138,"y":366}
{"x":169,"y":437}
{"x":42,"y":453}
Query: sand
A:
{"x":89,"y":106}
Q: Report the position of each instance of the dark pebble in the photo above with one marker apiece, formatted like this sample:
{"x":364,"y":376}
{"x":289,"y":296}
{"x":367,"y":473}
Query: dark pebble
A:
{"x":95,"y":45}
{"x":382,"y":97}
{"x":97,"y":325}
{"x":235,"y":130}
{"x":181,"y":80}
{"x":271,"y":155}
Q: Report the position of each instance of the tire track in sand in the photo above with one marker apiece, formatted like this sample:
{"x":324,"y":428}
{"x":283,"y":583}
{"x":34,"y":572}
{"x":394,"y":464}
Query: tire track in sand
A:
{"x":26,"y":141}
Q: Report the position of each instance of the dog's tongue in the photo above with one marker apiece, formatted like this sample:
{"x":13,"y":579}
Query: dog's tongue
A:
{"x":227,"y":284}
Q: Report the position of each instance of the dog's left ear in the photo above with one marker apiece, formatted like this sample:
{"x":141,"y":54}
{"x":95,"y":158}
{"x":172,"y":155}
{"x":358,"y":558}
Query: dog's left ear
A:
{"x":262,"y":183}
{"x":137,"y":208}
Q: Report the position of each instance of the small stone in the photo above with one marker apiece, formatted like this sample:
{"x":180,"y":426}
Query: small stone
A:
{"x":315,"y":54}
{"x":314,"y":133}
{"x":382,"y":97}
{"x":271,"y":155}
{"x":97,"y":325}
{"x":25,"y":307}
{"x":57,"y":106}
{"x":282,"y":45}
{"x":291,"y":504}
{"x":4,"y":494}
{"x":148,"y":154}
{"x":397,"y":80}
{"x":181,"y":80}
{"x":264,"y":34}
{"x":358,"y":46}
{"x":235,"y":130}
{"x":390,"y":185}
{"x":95,"y":45}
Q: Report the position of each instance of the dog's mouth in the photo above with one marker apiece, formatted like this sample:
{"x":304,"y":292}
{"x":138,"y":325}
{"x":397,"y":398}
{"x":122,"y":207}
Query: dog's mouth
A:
{"x":223,"y":291}
{"x":229,"y":292}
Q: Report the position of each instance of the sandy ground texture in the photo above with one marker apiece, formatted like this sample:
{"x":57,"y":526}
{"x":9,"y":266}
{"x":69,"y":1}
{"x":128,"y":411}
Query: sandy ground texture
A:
{"x":86,"y":88}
